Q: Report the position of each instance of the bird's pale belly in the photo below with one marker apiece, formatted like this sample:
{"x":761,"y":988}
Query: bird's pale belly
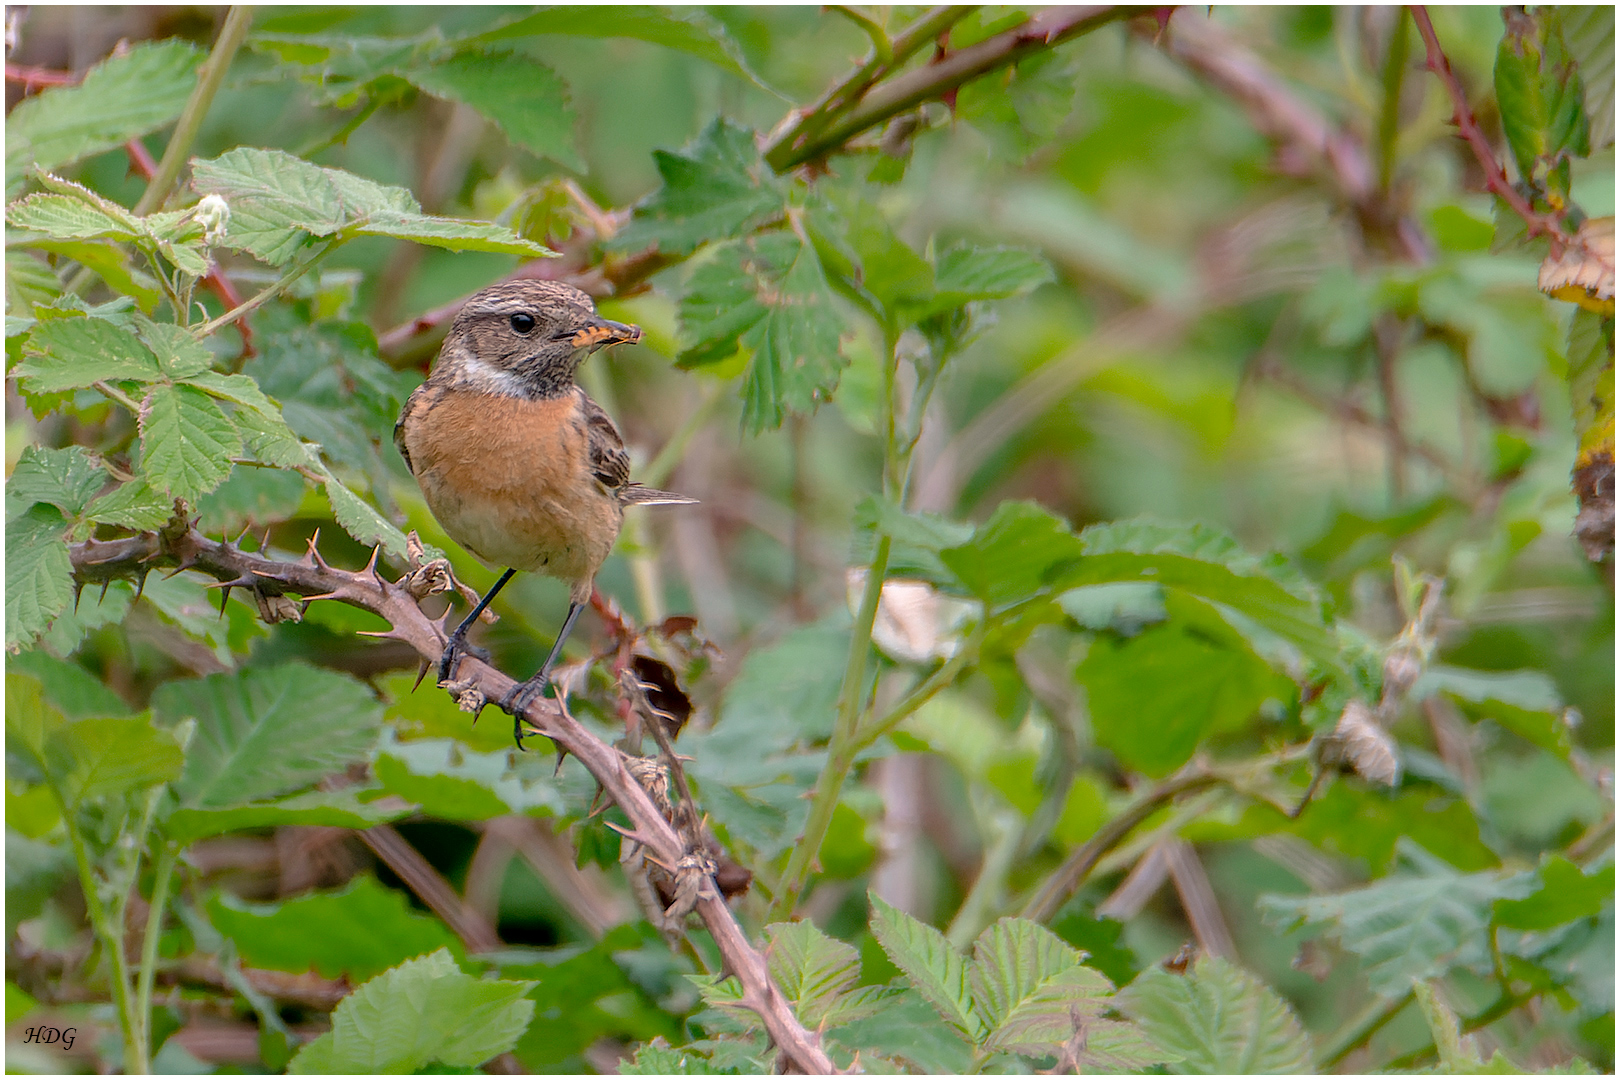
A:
{"x":518,"y":493}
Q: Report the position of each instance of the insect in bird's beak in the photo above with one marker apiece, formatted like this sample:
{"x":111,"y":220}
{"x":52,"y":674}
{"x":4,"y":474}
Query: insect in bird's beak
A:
{"x":606,"y":332}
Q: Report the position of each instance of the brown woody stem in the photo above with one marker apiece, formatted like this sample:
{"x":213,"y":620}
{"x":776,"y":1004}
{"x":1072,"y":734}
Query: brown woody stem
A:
{"x":178,"y":545}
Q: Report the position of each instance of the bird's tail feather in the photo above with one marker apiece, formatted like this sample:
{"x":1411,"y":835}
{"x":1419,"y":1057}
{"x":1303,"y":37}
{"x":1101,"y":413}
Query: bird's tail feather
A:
{"x":640,"y":495}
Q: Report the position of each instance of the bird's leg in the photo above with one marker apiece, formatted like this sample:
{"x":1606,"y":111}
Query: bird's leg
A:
{"x":457,"y":646}
{"x":518,"y":698}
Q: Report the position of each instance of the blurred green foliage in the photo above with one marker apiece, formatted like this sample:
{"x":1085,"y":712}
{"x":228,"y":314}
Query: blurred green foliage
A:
{"x":1136,"y":498}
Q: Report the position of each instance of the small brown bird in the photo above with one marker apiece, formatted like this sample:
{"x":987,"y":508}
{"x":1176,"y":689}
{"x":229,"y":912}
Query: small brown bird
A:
{"x":517,"y":463}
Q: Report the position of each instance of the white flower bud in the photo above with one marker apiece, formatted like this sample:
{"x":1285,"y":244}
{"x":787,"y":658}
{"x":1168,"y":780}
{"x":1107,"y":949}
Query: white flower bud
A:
{"x":213,"y":214}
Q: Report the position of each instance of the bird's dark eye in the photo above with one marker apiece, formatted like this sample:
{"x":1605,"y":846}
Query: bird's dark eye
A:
{"x":522,"y":323}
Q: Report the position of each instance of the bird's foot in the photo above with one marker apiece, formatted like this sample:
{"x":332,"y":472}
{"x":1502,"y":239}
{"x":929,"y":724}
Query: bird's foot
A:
{"x":454,"y":650}
{"x":519,"y":698}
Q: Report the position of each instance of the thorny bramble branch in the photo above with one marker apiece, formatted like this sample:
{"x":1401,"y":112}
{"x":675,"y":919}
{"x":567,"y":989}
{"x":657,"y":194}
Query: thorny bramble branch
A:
{"x":1495,"y":176}
{"x":181,"y":546}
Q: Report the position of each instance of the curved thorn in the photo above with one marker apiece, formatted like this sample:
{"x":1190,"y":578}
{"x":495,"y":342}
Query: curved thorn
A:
{"x":105,"y":585}
{"x":78,"y":589}
{"x":140,"y":584}
{"x":421,"y":671}
{"x":371,"y":566}
{"x":225,"y":596}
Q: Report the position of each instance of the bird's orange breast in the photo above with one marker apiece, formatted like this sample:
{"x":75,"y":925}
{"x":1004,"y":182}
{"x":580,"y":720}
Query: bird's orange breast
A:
{"x":509,"y":479}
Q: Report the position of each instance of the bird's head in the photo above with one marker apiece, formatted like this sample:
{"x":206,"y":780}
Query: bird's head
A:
{"x":527,"y":338}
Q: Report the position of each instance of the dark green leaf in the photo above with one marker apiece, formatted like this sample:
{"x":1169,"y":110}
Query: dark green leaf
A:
{"x":1543,"y":105}
{"x":356,"y":932}
{"x":1019,"y":552}
{"x":715,"y":188}
{"x":916,"y":540}
{"x":1566,"y":894}
{"x":30,"y":720}
{"x":768,"y":295}
{"x":361,"y":521}
{"x":121,"y":98}
{"x":1409,"y":925}
{"x":423,"y":1012}
{"x":67,"y":479}
{"x":277,"y":201}
{"x":67,"y":353}
{"x":443,"y":232}
{"x":267,"y":731}
{"x":935,"y":968}
{"x":89,"y":759}
{"x":133,"y":505}
{"x":1156,"y":696}
{"x":906,"y":1027}
{"x":1525,"y":702}
{"x":1589,"y":32}
{"x":522,"y":96}
{"x":1220,"y":1019}
{"x":68,"y":686}
{"x":449,"y":780}
{"x":342,"y":809}
{"x":187,"y":442}
{"x":66,"y":218}
{"x":690,"y":30}
{"x":39,"y":574}
{"x":815,"y":972}
{"x":965,"y":274}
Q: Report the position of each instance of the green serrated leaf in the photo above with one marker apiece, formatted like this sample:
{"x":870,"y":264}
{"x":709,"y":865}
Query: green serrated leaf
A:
{"x":1409,"y":925}
{"x":64,"y":218}
{"x":1219,"y":1019}
{"x":1020,"y":551}
{"x":1589,"y":32}
{"x":421,"y":1013}
{"x":65,"y":354}
{"x":30,"y":719}
{"x":356,"y":932}
{"x":689,"y":30}
{"x":1154,"y":697}
{"x":90,"y":759}
{"x":715,"y":188}
{"x":1543,"y":105}
{"x":68,"y":686}
{"x":39,"y":574}
{"x":179,"y":354}
{"x":67,"y":479}
{"x":1527,"y":703}
{"x":187,"y":442}
{"x":1591,"y":384}
{"x":935,"y":969}
{"x":965,"y":274}
{"x":1031,"y":988}
{"x":520,"y":95}
{"x":361,"y":521}
{"x":453,"y":233}
{"x":341,"y":809}
{"x":133,"y":505}
{"x":267,"y":731}
{"x":1566,"y":893}
{"x":277,"y":201}
{"x":449,"y":780}
{"x":121,"y":98}
{"x":769,"y":295}
{"x":813,"y":970}
{"x":269,"y":439}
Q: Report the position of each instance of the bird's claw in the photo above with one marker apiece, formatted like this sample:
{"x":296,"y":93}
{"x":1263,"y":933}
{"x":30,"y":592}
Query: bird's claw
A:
{"x":454,"y":650}
{"x":519,"y":698}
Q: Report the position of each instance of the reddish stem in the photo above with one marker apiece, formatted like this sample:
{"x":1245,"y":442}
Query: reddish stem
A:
{"x":1495,"y":175}
{"x":31,"y":77}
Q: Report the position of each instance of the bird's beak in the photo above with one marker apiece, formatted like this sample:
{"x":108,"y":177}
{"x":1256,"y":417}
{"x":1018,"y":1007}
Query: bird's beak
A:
{"x":606,"y":332}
